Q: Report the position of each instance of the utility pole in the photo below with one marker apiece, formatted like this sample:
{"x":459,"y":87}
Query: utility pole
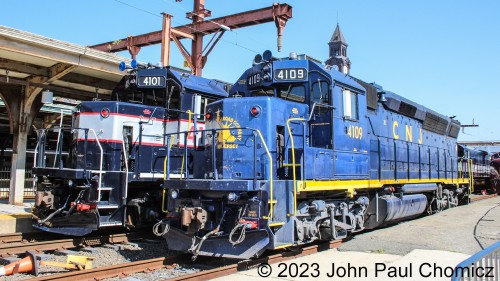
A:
{"x":279,"y":13}
{"x":463,"y":126}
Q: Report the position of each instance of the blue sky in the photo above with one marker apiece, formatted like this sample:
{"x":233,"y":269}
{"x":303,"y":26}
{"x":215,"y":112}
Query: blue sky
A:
{"x":442,"y":54}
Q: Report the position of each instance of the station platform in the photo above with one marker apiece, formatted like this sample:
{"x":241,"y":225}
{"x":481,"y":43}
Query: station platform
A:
{"x":427,"y":248}
{"x":15,"y":218}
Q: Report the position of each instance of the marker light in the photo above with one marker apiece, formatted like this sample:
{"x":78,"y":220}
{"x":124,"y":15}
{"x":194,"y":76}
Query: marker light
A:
{"x":255,"y":111}
{"x":122,"y":66}
{"x":105,"y":113}
{"x":208,"y":115}
{"x":133,"y":63}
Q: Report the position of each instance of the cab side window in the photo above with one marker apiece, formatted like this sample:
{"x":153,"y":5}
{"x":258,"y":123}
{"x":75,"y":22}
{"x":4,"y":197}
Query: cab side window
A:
{"x":350,"y":104}
{"x":320,"y":92}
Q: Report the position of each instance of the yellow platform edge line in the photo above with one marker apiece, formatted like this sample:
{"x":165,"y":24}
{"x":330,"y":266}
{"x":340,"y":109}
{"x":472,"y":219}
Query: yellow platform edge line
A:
{"x":14,"y":216}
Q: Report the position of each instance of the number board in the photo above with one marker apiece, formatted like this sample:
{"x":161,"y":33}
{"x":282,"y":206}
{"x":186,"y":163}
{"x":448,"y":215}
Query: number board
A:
{"x":254,"y":80}
{"x":290,"y":74}
{"x":152,"y":81}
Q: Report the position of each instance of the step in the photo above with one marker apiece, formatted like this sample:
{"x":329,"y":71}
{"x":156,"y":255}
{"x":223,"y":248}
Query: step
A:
{"x":109,"y":224}
{"x":291,"y":165}
{"x":280,"y":245}
{"x":107,"y":207}
{"x":106,"y":188}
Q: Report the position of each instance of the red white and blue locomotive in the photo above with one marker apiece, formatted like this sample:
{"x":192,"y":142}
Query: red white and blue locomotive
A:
{"x":301,"y":152}
{"x":114,"y":169}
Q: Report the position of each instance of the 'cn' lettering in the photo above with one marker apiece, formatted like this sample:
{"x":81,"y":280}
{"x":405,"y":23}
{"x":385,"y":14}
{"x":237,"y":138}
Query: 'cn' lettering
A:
{"x":394,"y":127}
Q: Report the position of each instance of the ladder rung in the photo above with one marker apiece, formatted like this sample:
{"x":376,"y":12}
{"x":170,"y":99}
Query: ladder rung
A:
{"x":106,"y":188}
{"x":104,"y":224}
{"x":276,"y":224}
{"x":272,"y":201}
{"x":291,"y":165}
{"x":107,"y":206}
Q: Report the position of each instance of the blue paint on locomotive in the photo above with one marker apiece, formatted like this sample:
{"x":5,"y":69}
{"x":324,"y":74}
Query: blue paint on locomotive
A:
{"x":346,"y":136}
{"x":373,"y":144}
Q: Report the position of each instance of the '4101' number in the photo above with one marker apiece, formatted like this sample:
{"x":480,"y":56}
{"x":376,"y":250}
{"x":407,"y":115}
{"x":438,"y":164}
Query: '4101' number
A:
{"x":355,"y":132}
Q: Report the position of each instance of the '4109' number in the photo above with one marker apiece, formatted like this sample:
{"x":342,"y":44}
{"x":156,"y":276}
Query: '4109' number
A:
{"x":355,"y":132}
{"x":290,"y":74}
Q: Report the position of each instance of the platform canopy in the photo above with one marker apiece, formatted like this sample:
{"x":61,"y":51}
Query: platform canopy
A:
{"x":31,"y":64}
{"x":67,"y":69}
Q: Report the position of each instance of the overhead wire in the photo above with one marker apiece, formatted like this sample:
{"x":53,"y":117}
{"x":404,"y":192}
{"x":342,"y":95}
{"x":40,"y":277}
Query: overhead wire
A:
{"x":190,"y":27}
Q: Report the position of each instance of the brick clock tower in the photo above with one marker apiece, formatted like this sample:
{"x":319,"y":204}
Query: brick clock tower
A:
{"x":338,"y":52}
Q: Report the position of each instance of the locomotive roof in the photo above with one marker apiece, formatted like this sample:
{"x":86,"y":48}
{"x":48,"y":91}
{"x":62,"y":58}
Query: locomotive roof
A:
{"x":199,"y":84}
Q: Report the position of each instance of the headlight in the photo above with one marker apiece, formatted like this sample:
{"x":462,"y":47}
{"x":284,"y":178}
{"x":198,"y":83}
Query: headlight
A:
{"x":232,"y":196}
{"x":174,"y":193}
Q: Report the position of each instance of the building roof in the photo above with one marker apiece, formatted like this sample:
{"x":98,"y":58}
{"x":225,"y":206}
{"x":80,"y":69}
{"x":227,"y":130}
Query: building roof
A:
{"x":338,"y":36}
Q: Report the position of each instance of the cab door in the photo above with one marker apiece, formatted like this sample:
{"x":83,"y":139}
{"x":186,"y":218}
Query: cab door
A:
{"x":321,"y":126}
{"x":321,"y":105}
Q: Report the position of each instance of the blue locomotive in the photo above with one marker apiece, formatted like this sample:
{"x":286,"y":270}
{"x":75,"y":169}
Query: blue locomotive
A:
{"x":114,"y":169}
{"x":301,"y":152}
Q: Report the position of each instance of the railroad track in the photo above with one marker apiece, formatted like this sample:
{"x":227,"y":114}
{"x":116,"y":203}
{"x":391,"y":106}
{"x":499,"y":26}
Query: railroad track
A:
{"x":12,"y":248}
{"x":115,"y":270}
{"x":171,"y":262}
{"x":11,"y":237}
{"x":27,"y":237}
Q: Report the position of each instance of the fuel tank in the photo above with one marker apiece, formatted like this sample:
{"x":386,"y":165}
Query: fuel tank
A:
{"x":386,"y":210}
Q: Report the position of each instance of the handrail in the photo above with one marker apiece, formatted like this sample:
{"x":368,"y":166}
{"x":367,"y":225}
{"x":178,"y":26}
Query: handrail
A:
{"x":270,"y":173}
{"x":479,"y":263}
{"x":166,"y":157}
{"x":471,"y":175}
{"x":40,"y":137}
{"x":293,"y":162}
{"x":185,"y":140}
{"x":101,"y":158}
{"x":166,"y":170}
{"x":100,"y":165}
{"x":58,"y":139}
{"x":125,"y":160}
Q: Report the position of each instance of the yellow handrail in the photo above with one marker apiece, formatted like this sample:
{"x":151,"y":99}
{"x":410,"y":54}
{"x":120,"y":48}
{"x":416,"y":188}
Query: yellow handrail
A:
{"x":293,"y":162}
{"x":471,"y":175}
{"x":163,"y":201}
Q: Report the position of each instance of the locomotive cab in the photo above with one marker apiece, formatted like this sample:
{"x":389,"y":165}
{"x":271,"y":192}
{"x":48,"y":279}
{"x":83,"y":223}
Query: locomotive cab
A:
{"x":109,"y":164}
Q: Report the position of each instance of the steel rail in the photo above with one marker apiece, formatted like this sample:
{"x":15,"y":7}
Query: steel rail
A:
{"x":122,"y":269}
{"x":25,"y":237}
{"x":249,"y":264}
{"x":128,"y":268}
{"x":11,"y":237}
{"x":10,"y":249}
